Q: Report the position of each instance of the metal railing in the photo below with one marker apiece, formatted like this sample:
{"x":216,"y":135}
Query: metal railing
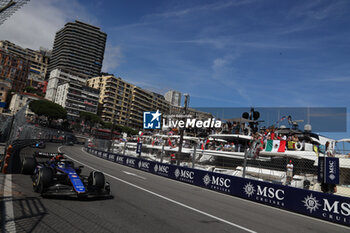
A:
{"x":304,"y":174}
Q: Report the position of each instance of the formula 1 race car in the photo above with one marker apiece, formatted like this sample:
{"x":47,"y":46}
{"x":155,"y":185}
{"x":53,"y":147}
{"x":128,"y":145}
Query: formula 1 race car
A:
{"x":59,"y":176}
{"x":39,"y":144}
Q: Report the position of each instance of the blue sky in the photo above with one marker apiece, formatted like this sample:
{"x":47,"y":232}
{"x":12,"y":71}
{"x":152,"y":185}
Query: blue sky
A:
{"x":235,"y":53}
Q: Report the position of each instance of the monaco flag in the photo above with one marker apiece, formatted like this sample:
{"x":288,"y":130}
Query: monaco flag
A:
{"x":276,"y":145}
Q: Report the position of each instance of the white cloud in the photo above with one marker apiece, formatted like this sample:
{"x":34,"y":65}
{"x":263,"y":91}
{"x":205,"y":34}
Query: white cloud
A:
{"x":113,"y":57}
{"x":336,"y":79}
{"x":36,"y":23}
{"x":216,"y":42}
{"x":318,"y":9}
{"x":224,"y":73}
{"x":200,"y":8}
{"x":222,"y":68}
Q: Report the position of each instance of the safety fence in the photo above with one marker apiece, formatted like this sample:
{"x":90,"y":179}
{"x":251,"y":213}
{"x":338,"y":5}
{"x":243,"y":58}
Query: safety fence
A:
{"x":284,"y":170}
{"x":17,"y":127}
{"x":11,"y":162}
{"x":333,"y":208}
{"x":16,"y":133}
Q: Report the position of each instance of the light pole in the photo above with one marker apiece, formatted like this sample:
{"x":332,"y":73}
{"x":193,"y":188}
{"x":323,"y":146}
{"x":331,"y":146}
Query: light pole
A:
{"x":179,"y":154}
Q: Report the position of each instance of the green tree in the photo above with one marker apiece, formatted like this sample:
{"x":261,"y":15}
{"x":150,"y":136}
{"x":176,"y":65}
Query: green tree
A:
{"x":120,"y":128}
{"x":49,"y":109}
{"x":90,"y":119}
{"x":30,"y":89}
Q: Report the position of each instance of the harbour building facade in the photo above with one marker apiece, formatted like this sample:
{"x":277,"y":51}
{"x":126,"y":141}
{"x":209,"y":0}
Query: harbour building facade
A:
{"x":115,"y":98}
{"x":75,"y":97}
{"x":38,"y":59}
{"x":124,"y":103}
{"x":14,"y":69}
{"x":60,"y":76}
{"x":173,"y":97}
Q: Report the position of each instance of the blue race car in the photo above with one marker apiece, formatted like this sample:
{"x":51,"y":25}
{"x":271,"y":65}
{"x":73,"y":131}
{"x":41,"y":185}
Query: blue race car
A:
{"x":39,"y":144}
{"x":59,"y":176}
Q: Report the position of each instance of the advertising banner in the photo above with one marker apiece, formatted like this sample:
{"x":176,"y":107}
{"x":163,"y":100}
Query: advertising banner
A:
{"x":328,"y":207}
{"x":328,"y":170}
{"x":110,"y":156}
{"x":139,"y":148}
{"x":332,"y":170}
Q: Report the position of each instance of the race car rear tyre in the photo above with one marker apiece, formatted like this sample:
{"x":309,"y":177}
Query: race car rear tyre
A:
{"x":40,"y":187}
{"x":97,"y":179}
{"x":44,"y":179}
{"x":28,"y":166}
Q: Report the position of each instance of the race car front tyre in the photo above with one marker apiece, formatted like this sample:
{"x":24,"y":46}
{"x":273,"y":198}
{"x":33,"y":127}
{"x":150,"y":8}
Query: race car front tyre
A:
{"x":28,"y":166}
{"x":44,"y":179}
{"x":97,"y":179}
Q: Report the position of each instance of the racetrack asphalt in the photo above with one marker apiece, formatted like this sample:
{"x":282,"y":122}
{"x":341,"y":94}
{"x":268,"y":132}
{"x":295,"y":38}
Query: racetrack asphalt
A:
{"x":143,"y":202}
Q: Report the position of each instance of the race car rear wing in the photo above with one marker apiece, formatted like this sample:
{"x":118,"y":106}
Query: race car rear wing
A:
{"x":45,"y":154}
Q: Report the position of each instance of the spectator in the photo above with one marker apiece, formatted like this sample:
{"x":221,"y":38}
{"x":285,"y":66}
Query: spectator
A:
{"x":289,"y":173}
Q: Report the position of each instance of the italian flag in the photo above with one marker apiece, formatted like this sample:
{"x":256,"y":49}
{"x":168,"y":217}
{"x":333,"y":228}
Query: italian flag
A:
{"x":204,"y":144}
{"x":276,"y":145}
{"x":169,"y":142}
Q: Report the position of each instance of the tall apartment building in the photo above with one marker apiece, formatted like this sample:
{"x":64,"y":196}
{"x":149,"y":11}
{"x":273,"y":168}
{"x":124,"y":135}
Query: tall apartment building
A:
{"x":176,"y":110}
{"x":14,"y":69}
{"x":39,"y":59}
{"x":5,"y":87}
{"x":124,"y":103}
{"x":115,"y":98}
{"x":160,"y":103}
{"x":173,"y":97}
{"x":58,"y":77}
{"x":79,"y":47}
{"x":76,"y":97}
{"x":142,"y":101}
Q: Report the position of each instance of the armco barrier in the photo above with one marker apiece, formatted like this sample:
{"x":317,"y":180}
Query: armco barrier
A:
{"x":14,"y":162}
{"x":328,"y":207}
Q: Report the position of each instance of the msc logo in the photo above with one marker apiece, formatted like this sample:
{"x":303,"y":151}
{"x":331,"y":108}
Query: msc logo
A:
{"x":119,"y":159}
{"x":161,"y":169}
{"x":151,"y":120}
{"x":130,"y":162}
{"x":218,"y":181}
{"x":144,"y":165}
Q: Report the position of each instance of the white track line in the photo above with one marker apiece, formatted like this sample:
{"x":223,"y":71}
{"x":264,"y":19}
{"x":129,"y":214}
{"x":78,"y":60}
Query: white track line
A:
{"x":9,"y":225}
{"x":133,"y":174}
{"x":165,"y":198}
{"x":249,"y":201}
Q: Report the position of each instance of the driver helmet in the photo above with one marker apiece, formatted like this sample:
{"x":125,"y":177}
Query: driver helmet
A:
{"x":61,"y":164}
